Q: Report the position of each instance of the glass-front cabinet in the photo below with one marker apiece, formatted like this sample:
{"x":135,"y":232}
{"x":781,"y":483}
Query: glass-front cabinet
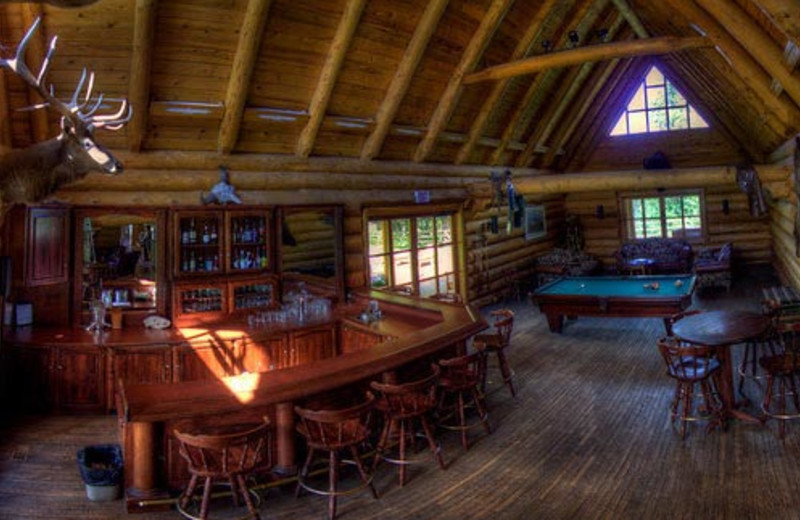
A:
{"x":222,"y":241}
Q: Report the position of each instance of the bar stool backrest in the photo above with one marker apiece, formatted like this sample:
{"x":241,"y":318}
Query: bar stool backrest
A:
{"x":503,"y":324}
{"x":336,"y":428}
{"x":227,"y":453}
{"x":686,"y":361}
{"x":409,"y":399}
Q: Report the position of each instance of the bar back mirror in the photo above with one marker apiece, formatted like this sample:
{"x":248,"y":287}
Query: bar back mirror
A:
{"x":119,"y":259}
{"x":310,"y":249}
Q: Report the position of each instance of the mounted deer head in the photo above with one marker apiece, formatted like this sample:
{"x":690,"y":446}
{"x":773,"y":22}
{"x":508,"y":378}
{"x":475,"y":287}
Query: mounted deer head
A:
{"x":31,"y":174}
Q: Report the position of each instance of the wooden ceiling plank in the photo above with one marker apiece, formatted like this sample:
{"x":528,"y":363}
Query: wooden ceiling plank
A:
{"x":328,"y":76}
{"x":740,"y":61}
{"x":759,"y":44}
{"x":250,"y":35}
{"x":144,"y":28}
{"x":575,"y":81}
{"x":5,"y":112}
{"x":584,"y":18}
{"x":37,"y":49}
{"x":522,"y":49}
{"x":447,"y":103}
{"x":785,"y":15}
{"x":598,"y":52}
{"x":402,"y":78}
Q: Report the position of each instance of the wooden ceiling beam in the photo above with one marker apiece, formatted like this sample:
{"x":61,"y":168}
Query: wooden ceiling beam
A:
{"x":574,"y":81}
{"x":631,"y":17}
{"x":474,"y":50}
{"x":144,"y":28}
{"x":597,"y":52}
{"x":740,"y":61}
{"x":584,"y":18}
{"x":328,"y":76}
{"x":523,"y":48}
{"x":250,"y":34}
{"x":37,"y":50}
{"x":759,"y":44}
{"x":402,"y":78}
{"x":785,"y":15}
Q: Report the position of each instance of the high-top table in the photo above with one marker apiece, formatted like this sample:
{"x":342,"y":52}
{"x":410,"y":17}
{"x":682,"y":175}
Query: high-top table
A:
{"x":721,"y":330}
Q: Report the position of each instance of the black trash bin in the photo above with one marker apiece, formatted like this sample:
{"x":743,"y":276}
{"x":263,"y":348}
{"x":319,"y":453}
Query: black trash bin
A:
{"x":101,"y":469}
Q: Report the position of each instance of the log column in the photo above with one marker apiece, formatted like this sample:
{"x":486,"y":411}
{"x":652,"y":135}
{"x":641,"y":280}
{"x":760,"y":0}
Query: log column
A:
{"x":143,"y":494}
{"x":284,"y":439}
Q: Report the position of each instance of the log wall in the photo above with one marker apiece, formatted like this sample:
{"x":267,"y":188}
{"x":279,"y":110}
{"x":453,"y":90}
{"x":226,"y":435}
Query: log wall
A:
{"x":782,"y":222}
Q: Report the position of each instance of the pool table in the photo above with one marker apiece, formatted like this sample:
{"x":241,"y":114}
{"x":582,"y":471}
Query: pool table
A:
{"x":617,"y":296}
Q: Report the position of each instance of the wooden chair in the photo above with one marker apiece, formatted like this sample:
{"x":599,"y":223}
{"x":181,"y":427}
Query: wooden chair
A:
{"x":497,"y":342}
{"x":461,"y":381}
{"x":224,"y":458}
{"x":406,"y":407}
{"x":781,"y":399}
{"x":692,"y":365}
{"x":671,"y":320}
{"x":768,"y":345}
{"x":335,"y":431}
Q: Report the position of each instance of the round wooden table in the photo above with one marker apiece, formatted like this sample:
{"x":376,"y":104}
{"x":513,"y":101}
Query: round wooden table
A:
{"x":720,"y":330}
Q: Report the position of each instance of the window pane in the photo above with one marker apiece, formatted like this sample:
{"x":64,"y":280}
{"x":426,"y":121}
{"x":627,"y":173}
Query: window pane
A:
{"x":636,"y":208}
{"x":621,"y":128}
{"x":377,"y":272}
{"x":427,"y":288}
{"x":674,"y":98}
{"x":696,"y":120}
{"x":402,"y":268}
{"x":678,"y":119}
{"x":658,"y":120}
{"x":674,"y":224}
{"x":444,"y":229}
{"x":401,"y":234}
{"x":654,"y":77}
{"x":424,"y":231}
{"x":426,"y":266}
{"x":447,"y":284}
{"x":637,"y":103}
{"x":445,"y":259}
{"x":673,"y":206}
{"x":652,"y":208}
{"x":652,"y":228}
{"x":376,"y":232}
{"x":638,"y":229}
{"x":637,"y":122}
{"x":655,"y":97}
{"x":691,"y":205}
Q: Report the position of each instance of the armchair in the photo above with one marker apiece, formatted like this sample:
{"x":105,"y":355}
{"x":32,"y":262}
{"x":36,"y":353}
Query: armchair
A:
{"x":712,"y":267}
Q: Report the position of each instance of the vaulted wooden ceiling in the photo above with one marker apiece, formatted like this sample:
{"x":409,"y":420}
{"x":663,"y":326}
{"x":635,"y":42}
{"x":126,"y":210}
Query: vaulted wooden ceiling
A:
{"x":405,"y":80}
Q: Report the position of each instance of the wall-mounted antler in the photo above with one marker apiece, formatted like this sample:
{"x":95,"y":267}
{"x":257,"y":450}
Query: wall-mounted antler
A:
{"x":31,"y":174}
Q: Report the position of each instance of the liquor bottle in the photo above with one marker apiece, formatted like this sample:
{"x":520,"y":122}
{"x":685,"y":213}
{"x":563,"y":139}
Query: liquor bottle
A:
{"x":192,"y":232}
{"x":214,"y":235}
{"x":209,"y":263}
{"x":192,"y":262}
{"x":185,"y":264}
{"x":246,"y":232}
{"x":184,"y":232}
{"x":262,"y":230}
{"x":206,"y":233}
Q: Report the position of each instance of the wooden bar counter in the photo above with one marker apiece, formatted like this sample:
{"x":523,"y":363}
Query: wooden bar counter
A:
{"x":243,"y":374}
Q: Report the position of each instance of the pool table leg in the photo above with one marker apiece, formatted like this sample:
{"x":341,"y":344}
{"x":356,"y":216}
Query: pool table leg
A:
{"x":555,"y":322}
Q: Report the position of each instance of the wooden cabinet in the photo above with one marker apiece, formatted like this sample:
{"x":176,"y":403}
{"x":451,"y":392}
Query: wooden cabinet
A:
{"x":198,"y":302}
{"x":140,"y":365}
{"x":311,"y":344}
{"x":270,"y":353}
{"x":222,"y":241}
{"x":352,"y":338}
{"x":204,"y":360}
{"x":27,"y":371}
{"x":48,"y":246}
{"x":79,"y":379}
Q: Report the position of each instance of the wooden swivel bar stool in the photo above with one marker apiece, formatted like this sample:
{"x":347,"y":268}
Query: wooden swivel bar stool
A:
{"x":460,"y":382}
{"x":781,"y":397}
{"x":406,"y":407}
{"x":497,"y":342}
{"x":224,"y":458}
{"x":335,"y":431}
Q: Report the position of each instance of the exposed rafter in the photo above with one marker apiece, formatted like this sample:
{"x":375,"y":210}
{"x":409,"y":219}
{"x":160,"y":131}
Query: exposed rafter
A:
{"x":598,"y":52}
{"x":785,"y":15}
{"x":255,"y":19}
{"x":328,"y":76}
{"x":474,"y":50}
{"x":402,"y":78}
{"x":756,"y":42}
{"x":144,"y":27}
{"x":522,"y":49}
{"x":631,"y":17}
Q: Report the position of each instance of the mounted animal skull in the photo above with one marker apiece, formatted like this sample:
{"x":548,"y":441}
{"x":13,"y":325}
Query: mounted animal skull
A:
{"x":31,"y":174}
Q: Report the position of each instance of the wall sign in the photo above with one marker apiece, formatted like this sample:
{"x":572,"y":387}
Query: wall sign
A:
{"x":535,"y":222}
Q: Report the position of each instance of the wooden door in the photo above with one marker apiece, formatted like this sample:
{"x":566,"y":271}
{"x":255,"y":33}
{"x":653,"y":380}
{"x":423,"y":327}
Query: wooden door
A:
{"x":48,"y":246}
{"x":354,"y":339}
{"x":263,"y":355}
{"x":203,"y":360}
{"x":312,"y":344}
{"x":79,"y":378}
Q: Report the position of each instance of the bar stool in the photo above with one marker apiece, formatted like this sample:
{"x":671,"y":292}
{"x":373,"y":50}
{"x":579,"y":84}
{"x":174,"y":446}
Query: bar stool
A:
{"x":497,"y":342}
{"x":692,"y":365}
{"x":783,"y":371}
{"x":406,"y":406}
{"x":224,"y":458}
{"x":335,"y":431}
{"x":461,"y":381}
{"x":749,"y":366}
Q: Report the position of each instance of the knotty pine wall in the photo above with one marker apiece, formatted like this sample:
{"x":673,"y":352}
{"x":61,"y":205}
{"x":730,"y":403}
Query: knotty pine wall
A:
{"x":782,"y":221}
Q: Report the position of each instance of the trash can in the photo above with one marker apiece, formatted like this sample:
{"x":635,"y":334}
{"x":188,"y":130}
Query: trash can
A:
{"x":101,"y":469}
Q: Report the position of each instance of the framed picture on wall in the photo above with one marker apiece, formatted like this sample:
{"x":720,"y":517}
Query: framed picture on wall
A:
{"x":535,"y":223}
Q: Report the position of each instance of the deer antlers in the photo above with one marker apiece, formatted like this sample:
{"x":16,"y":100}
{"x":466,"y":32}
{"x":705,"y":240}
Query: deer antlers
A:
{"x":75,"y":112}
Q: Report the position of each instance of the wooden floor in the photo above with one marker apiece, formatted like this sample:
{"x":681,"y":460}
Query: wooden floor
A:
{"x":588,"y":438}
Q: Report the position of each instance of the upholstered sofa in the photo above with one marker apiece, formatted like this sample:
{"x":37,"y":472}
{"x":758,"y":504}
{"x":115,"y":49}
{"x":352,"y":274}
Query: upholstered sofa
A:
{"x":666,"y":255}
{"x":564,"y":262}
{"x":712,"y":267}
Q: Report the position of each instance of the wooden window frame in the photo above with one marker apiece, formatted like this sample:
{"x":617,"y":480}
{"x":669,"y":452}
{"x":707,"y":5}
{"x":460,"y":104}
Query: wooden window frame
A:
{"x":626,"y":221}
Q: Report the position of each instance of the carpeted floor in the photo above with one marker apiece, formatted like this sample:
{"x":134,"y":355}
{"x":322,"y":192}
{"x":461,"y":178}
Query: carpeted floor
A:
{"x":588,"y":438}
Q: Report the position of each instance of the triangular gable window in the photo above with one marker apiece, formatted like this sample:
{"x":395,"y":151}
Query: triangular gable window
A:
{"x":657,"y":106}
